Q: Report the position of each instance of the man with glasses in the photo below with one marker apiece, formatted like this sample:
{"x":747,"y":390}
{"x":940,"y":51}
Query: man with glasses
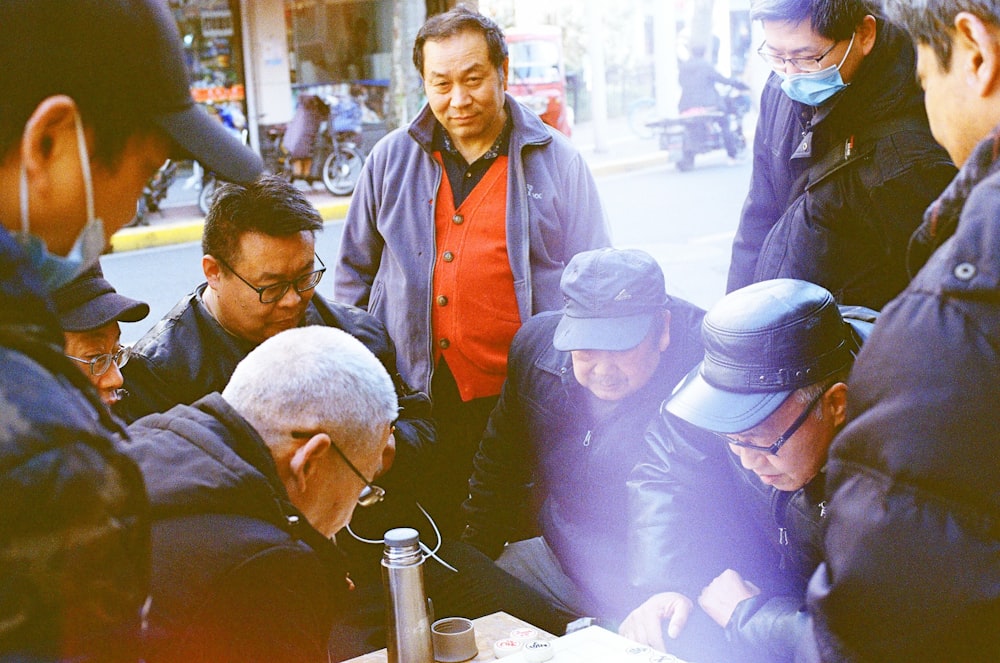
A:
{"x":844,"y":162}
{"x":261,"y":270}
{"x":89,"y":311}
{"x":771,"y":389}
{"x":249,"y":486}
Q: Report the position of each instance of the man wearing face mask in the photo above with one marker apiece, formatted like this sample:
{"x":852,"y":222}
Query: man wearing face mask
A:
{"x":94,"y":97}
{"x":844,"y":162}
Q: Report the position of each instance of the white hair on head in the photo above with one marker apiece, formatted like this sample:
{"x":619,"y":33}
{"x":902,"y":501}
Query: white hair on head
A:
{"x":314,"y":379}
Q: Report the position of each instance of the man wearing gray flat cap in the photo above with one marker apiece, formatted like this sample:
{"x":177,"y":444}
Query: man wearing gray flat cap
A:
{"x":548,"y":494}
{"x":772,"y":388}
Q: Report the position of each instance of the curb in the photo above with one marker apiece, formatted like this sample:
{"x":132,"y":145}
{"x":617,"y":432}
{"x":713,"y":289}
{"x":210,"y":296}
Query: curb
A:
{"x":132,"y":239}
{"x":190,"y":230}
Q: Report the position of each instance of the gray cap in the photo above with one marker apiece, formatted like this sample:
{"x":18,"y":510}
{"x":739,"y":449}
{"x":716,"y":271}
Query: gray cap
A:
{"x":89,"y":302}
{"x":762,"y":343}
{"x":611,"y":298}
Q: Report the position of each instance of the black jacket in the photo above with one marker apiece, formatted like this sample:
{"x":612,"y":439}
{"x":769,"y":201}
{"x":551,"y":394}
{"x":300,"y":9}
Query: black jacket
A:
{"x":188,"y":354}
{"x":695,"y":511}
{"x":913,"y":536}
{"x":847,"y":231}
{"x":238,"y":572}
{"x":548,"y":465}
{"x":74,"y":529}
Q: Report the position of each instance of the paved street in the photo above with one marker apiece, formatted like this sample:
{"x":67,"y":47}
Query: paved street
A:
{"x":686,"y":220}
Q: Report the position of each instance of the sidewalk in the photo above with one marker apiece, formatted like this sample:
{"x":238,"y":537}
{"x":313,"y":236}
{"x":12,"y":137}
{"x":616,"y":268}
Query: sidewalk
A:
{"x":174,"y":225}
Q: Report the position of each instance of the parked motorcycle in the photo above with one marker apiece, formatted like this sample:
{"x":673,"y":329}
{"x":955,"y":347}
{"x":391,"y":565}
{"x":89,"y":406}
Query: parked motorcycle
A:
{"x":235,"y":123}
{"x":701,"y":130}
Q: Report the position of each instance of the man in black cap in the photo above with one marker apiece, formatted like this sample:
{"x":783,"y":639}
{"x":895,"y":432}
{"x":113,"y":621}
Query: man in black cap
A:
{"x":581,"y":386}
{"x":89,"y":311}
{"x":93,"y":98}
{"x":771,"y":388}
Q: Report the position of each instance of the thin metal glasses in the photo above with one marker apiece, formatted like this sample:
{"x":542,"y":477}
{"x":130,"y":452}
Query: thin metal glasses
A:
{"x":784,"y":437}
{"x":370,"y":494}
{"x":100,"y":364}
{"x":269,"y":294}
{"x":777,"y":62}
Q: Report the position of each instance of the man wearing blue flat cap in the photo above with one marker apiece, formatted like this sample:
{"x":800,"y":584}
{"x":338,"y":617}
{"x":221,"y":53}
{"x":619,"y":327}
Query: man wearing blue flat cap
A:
{"x":772,"y":388}
{"x":548,"y":491}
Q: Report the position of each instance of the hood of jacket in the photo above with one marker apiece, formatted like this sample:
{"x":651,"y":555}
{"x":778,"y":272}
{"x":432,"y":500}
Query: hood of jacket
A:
{"x":205,"y":458}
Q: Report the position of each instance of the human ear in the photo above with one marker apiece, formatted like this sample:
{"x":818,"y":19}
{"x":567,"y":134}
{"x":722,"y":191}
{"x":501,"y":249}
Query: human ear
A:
{"x":980,"y":42}
{"x":212,"y":269}
{"x":867,"y":32}
{"x":49,"y":138}
{"x":835,"y":400}
{"x":303,"y":461}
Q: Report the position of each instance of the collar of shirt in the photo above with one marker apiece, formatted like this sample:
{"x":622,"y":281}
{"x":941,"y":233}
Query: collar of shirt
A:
{"x":463,"y":176}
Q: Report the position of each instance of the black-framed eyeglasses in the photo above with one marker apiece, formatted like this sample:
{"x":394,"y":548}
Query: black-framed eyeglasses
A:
{"x":100,"y":364}
{"x":370,"y":494}
{"x":784,"y":437}
{"x":777,"y":62}
{"x":269,"y":294}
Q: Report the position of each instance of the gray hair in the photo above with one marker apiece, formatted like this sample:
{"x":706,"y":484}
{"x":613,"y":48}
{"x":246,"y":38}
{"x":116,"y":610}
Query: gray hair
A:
{"x":932,"y":22}
{"x":314,"y":379}
{"x":805,"y":394}
{"x":833,"y":19}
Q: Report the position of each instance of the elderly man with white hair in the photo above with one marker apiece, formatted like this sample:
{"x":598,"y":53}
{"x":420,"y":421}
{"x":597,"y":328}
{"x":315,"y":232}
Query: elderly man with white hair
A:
{"x":248,"y":488}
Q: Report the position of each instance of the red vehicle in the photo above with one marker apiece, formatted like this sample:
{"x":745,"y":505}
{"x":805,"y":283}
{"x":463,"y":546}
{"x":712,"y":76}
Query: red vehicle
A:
{"x":537,"y":74}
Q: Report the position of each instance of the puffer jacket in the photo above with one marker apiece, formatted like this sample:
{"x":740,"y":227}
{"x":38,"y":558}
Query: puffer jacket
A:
{"x":74,"y":528}
{"x":848,"y":230}
{"x":188,"y":354}
{"x":238,"y":572}
{"x":388,"y":250}
{"x":547,"y":465}
{"x":695,"y":511}
{"x":913,"y":536}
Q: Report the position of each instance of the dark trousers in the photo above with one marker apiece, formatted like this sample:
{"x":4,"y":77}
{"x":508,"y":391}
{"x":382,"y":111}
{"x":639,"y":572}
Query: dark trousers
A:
{"x":460,"y":427}
{"x":479,"y":588}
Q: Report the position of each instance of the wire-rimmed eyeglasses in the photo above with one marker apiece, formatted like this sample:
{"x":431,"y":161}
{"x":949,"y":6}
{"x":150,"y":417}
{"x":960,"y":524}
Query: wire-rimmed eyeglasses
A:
{"x":370,"y":494}
{"x":784,"y":437}
{"x":778,"y":63}
{"x":100,"y":364}
{"x":269,"y":294}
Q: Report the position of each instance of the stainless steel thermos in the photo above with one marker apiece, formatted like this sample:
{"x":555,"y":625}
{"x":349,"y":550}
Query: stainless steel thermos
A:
{"x":408,"y":628}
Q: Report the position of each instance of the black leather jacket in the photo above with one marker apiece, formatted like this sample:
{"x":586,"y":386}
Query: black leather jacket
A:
{"x":695,"y":511}
{"x":547,"y":464}
{"x":849,"y":230}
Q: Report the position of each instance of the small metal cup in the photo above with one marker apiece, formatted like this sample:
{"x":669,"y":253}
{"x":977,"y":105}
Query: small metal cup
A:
{"x":454,"y":640}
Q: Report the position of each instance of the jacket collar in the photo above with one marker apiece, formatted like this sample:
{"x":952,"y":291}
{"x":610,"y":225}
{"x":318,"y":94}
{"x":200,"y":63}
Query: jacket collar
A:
{"x":528,"y":127}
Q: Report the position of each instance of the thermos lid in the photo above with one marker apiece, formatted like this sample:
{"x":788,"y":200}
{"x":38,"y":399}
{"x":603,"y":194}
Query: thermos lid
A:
{"x":401,"y":537}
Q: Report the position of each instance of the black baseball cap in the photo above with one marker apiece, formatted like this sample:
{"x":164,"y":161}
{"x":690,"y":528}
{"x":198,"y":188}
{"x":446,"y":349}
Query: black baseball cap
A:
{"x":89,"y":301}
{"x":128,"y":53}
{"x":611,"y":298}
{"x":762,"y":343}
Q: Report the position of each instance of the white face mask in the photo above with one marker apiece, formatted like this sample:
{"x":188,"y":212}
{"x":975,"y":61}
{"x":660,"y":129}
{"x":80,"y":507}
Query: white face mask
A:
{"x":56,"y":270}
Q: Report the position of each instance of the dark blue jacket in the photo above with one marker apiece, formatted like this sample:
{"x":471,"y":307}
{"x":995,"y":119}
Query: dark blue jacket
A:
{"x":238,"y":572}
{"x":913,"y":537}
{"x":74,"y":558}
{"x":547,"y":465}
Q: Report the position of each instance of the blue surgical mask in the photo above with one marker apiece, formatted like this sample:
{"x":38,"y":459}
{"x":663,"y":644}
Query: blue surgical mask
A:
{"x":57,"y":270}
{"x":814,"y":87}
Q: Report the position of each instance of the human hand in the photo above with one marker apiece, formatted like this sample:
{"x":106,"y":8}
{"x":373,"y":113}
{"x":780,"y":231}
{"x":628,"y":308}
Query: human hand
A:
{"x":645,"y":623}
{"x":720,"y":597}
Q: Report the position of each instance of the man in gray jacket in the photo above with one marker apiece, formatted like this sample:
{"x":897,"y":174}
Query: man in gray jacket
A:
{"x":459,"y":231}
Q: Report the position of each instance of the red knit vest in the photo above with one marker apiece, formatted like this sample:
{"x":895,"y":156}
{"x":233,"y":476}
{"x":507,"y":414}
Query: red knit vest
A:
{"x":474,"y":311}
